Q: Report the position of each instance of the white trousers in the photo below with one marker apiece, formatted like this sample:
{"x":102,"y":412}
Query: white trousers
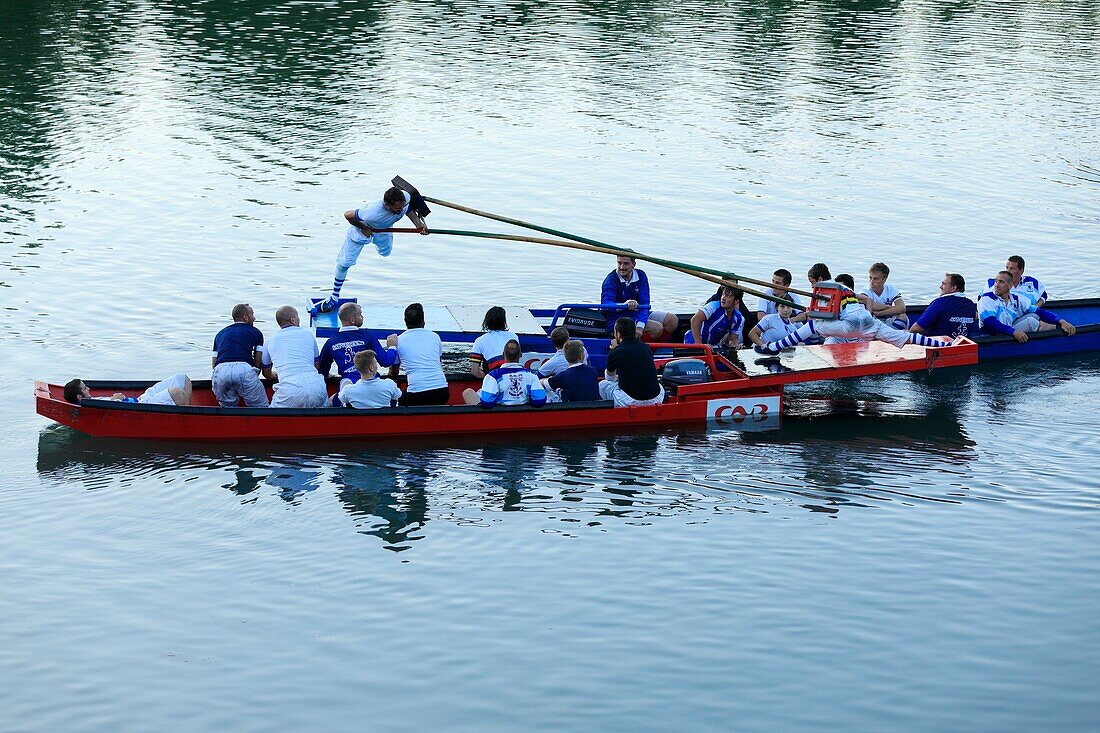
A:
{"x":158,"y":394}
{"x":860,"y":325}
{"x":302,"y":390}
{"x":349,"y":252}
{"x":237,"y":379}
{"x":609,"y":390}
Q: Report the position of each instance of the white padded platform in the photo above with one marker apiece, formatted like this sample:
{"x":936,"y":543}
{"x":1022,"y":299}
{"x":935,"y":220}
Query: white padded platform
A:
{"x":454,"y":318}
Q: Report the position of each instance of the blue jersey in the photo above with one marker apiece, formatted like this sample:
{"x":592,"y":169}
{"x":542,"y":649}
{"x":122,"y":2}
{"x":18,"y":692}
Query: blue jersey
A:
{"x":511,"y":384}
{"x":997,"y":316}
{"x":237,"y":342}
{"x":578,"y":383}
{"x":616,"y":291}
{"x":953,"y":314}
{"x":342,"y":348}
{"x":716,"y":324}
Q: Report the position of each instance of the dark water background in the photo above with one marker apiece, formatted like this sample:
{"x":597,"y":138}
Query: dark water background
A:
{"x":915,"y":552}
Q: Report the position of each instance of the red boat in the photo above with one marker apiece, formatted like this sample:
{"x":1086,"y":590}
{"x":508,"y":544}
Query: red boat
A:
{"x":737,"y":394}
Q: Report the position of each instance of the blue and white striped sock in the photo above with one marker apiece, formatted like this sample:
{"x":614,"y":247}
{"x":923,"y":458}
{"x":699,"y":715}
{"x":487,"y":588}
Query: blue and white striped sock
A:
{"x":803,"y":332}
{"x":338,"y":282}
{"x":921,"y":340}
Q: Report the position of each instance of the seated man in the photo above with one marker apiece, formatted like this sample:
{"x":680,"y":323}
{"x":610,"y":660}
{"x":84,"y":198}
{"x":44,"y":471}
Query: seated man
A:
{"x":1002,"y":311}
{"x":1024,"y":285}
{"x":883,"y":300}
{"x":773,"y":326}
{"x":951,"y":314}
{"x":631,"y":376}
{"x":781,"y":279}
{"x":236,"y":361}
{"x":628,"y":286}
{"x":578,"y":382}
{"x":487,"y":353}
{"x":369,"y":391}
{"x":420,"y":352}
{"x":349,"y":341}
{"x":718,"y":323}
{"x":290,"y":357}
{"x":175,"y":390}
{"x":855,"y":323}
{"x":508,"y":384}
{"x":558,"y":363}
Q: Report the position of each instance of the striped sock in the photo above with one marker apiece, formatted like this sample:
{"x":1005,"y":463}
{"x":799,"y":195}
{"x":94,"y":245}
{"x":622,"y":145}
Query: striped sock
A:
{"x":921,"y":340}
{"x":804,"y":332}
{"x":338,"y":281}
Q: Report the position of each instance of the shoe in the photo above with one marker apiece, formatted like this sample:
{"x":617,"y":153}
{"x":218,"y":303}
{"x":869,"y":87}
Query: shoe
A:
{"x":765,"y":350}
{"x":324,"y":306}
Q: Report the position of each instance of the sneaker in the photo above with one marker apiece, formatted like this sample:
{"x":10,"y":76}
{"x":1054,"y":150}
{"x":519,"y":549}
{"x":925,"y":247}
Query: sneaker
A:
{"x":765,"y":350}
{"x":324,"y":306}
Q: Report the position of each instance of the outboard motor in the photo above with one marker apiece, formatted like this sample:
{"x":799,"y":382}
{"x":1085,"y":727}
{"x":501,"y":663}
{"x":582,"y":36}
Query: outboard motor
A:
{"x":679,"y":372}
{"x":585,"y":323}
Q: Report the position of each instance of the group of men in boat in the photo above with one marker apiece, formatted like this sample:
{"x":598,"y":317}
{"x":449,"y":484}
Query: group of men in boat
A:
{"x":1012,"y":305}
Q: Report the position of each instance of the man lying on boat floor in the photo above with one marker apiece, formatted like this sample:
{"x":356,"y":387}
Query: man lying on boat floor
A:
{"x":176,"y":390}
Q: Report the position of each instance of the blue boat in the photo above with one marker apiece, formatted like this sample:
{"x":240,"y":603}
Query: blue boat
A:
{"x":462,"y":324}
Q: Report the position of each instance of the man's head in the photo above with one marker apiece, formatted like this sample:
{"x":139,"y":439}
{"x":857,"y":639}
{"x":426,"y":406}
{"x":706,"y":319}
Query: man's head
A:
{"x":817,"y":273}
{"x":1015,"y":267}
{"x":367,"y":363}
{"x":394,"y":199}
{"x":351,"y":315}
{"x":414,"y":316}
{"x":242,"y":313}
{"x":952,"y":283}
{"x":512,"y":352}
{"x":625,"y":267}
{"x":781,"y":277}
{"x":286,"y":316}
{"x":75,"y":391}
{"x":729,"y":298}
{"x":574,"y":352}
{"x":846,"y":280}
{"x":784,"y":311}
{"x":625,"y":329}
{"x":877,"y":275}
{"x":495,"y":319}
{"x":1002,"y":283}
{"x":559,"y":336}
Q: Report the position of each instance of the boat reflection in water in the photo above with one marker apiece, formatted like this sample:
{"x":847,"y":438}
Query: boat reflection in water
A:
{"x":844,"y":445}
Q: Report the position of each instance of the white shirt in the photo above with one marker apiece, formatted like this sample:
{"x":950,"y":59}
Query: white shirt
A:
{"x":773,"y":327}
{"x":420,"y":351}
{"x":767,"y":307}
{"x":370,"y":393}
{"x":557,"y":364}
{"x":490,"y":346}
{"x":292,"y":351}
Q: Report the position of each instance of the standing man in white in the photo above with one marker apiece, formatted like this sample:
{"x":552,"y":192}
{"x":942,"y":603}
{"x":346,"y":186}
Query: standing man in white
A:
{"x":362,"y":223}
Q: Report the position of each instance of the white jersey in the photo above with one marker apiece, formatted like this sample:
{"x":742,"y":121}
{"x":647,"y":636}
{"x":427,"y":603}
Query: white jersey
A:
{"x":1029,"y":288}
{"x":370,"y":393}
{"x":887,"y":297}
{"x":420,"y":351}
{"x":489,"y":347}
{"x":774,"y":327}
{"x":557,"y":364}
{"x":511,"y":384}
{"x":292,"y":351}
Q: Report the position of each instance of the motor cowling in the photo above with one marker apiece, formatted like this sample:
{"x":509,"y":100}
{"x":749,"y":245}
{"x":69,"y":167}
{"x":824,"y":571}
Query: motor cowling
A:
{"x":680,"y":372}
{"x":585,"y":323}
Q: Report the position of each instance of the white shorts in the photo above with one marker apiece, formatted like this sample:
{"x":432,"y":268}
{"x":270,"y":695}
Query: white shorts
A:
{"x":349,"y":252}
{"x":235,"y":380}
{"x":303,"y":390}
{"x":1028,"y":323}
{"x":609,"y":390}
{"x":158,"y":394}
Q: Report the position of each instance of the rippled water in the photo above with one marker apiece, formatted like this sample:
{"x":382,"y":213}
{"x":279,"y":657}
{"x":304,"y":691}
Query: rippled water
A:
{"x":910,"y":552}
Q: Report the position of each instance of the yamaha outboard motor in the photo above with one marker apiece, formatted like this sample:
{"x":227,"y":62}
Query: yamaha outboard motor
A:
{"x":679,"y":372}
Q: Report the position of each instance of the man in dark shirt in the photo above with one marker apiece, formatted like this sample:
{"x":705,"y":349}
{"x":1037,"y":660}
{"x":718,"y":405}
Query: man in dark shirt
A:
{"x":578,"y":382}
{"x":631,"y":377}
{"x":236,"y":359}
{"x":951,"y":314}
{"x":349,"y":341}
